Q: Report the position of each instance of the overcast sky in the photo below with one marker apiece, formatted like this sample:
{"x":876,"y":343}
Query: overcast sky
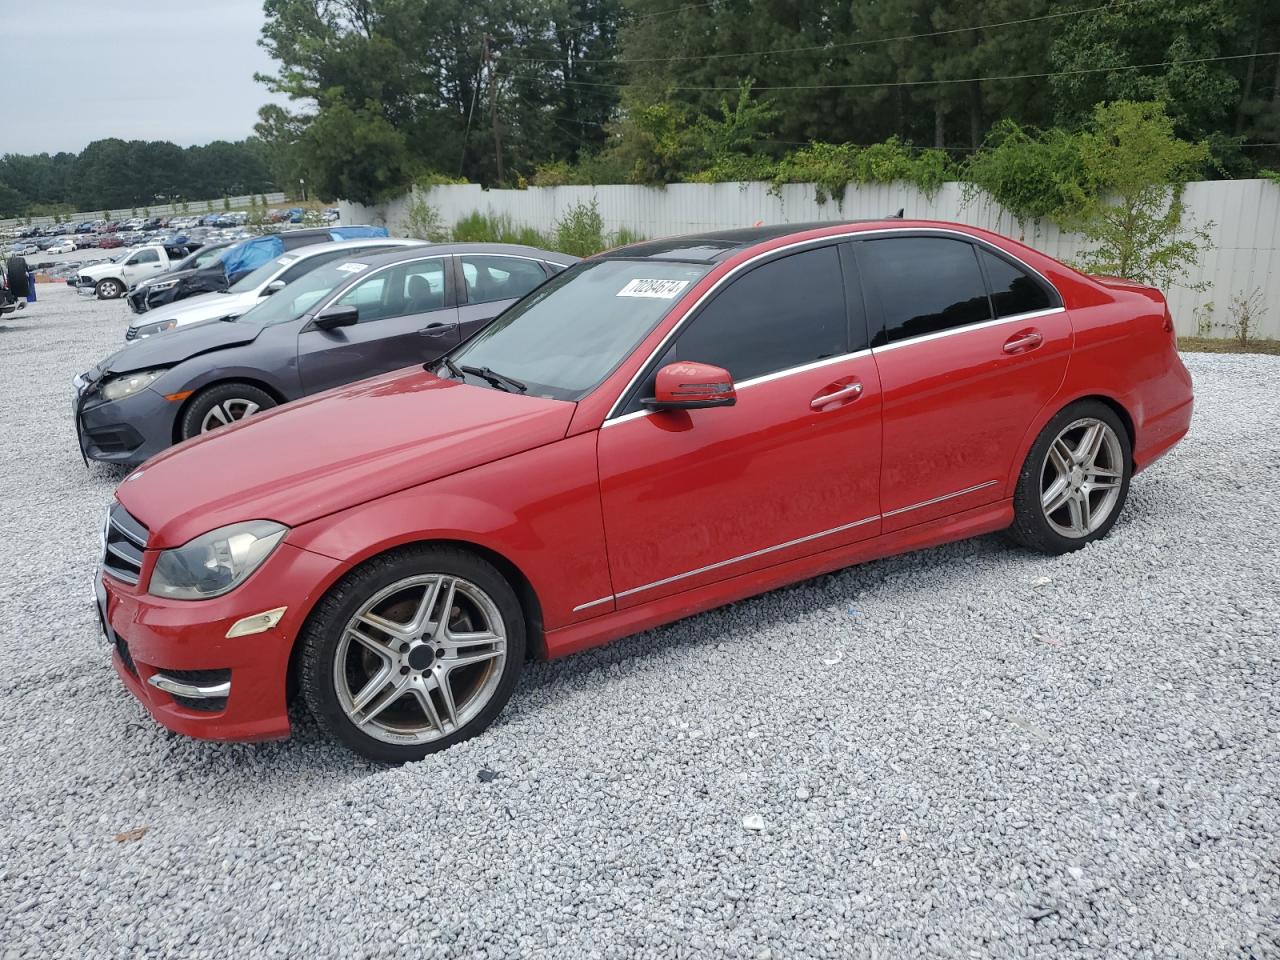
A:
{"x":179,"y":70}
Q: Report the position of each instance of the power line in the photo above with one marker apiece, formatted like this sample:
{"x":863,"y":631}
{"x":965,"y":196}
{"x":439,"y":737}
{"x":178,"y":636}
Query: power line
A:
{"x":665,"y":13}
{"x":929,"y":83}
{"x":834,"y":46}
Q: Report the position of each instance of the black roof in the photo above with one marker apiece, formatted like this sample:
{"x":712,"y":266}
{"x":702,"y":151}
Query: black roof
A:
{"x":715,"y":245}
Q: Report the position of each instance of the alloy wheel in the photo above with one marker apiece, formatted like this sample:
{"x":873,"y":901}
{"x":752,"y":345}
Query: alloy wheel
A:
{"x":1082,"y":477}
{"x":420,"y":659}
{"x":227,"y":412}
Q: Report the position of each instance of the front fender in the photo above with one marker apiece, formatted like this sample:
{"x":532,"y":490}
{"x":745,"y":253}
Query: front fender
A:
{"x":538,"y":510}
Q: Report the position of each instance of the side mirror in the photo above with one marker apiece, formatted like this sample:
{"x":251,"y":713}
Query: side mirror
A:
{"x":692,"y":386}
{"x":275,"y":286}
{"x":333,"y":317}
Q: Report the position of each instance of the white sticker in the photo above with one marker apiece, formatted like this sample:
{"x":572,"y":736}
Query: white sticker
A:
{"x":654,"y":289}
{"x":285,"y":261}
{"x":353,"y":267}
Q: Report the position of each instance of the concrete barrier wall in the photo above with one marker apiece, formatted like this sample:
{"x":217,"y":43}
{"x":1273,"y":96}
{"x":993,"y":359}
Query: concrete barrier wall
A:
{"x":1244,"y":253}
{"x":192,"y":208}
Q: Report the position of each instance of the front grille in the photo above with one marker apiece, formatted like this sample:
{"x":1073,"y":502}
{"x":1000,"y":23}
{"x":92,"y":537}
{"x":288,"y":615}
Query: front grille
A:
{"x":126,"y":538}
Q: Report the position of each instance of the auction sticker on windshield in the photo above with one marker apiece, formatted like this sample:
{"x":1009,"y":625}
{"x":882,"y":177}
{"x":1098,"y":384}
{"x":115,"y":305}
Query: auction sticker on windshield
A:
{"x":655,"y":289}
{"x":353,"y":267}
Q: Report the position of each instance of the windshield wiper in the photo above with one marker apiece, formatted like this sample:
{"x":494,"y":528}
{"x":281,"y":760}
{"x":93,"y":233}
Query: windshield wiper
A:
{"x":449,"y":365}
{"x":501,"y":381}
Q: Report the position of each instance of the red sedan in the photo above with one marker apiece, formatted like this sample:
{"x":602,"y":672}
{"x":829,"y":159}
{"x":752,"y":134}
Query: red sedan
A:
{"x":659,"y":430}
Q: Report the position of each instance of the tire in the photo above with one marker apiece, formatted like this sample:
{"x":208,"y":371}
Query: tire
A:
{"x":109,"y":289}
{"x":220,"y":405}
{"x":1069,"y":496}
{"x":383,"y":694}
{"x":18,"y":283}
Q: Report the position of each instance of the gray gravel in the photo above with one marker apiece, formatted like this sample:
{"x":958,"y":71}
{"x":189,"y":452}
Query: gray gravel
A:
{"x":969,"y":751}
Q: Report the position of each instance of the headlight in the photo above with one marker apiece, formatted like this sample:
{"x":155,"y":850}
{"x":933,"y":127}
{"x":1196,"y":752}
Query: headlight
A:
{"x":118,"y":388}
{"x":152,"y":286}
{"x":216,"y":562}
{"x":150,"y":329}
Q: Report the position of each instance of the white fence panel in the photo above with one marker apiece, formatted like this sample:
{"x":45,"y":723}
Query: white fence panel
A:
{"x":1244,"y":253}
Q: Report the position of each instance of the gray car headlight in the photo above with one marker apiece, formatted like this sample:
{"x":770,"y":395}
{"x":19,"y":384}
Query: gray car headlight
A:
{"x":216,"y":562}
{"x":117,"y":388}
{"x":153,"y":285}
{"x":151,"y":329}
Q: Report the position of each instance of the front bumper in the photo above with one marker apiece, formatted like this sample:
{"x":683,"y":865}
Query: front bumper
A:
{"x":186,"y":641}
{"x":126,"y":431}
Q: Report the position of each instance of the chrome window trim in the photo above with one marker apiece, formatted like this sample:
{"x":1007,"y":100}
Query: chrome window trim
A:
{"x":981,"y":325}
{"x":782,"y":546}
{"x":815,"y":241}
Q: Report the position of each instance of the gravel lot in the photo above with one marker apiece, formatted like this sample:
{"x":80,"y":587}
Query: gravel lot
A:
{"x":969,"y":751}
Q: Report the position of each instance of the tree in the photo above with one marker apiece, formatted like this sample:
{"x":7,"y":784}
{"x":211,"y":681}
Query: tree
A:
{"x":1137,"y":168}
{"x":355,"y":154}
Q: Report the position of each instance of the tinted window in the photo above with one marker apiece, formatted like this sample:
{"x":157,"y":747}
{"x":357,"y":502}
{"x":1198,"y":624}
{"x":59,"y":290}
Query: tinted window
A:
{"x":926,"y":284}
{"x":414,"y":287}
{"x":781,"y":314}
{"x":499,"y":278}
{"x":1013,"y":290}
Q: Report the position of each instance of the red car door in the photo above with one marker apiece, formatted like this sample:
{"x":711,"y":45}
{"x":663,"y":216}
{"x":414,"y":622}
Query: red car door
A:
{"x":970,"y":345}
{"x":695,"y":496}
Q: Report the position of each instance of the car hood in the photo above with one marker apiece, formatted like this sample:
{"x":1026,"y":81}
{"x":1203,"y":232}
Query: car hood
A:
{"x":174,"y":346}
{"x":97,"y":270}
{"x":206,"y":306}
{"x":347,"y":446}
{"x":167,"y":275}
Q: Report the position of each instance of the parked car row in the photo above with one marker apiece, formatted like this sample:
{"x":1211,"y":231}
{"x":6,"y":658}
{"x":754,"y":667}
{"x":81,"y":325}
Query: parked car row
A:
{"x":646,"y":434}
{"x":155,"y":275}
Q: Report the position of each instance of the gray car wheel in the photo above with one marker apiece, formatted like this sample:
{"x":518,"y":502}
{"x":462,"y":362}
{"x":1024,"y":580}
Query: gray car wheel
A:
{"x":109,"y":289}
{"x":221,"y":406}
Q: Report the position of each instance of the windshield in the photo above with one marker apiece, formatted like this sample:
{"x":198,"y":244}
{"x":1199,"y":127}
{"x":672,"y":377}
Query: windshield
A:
{"x":255,"y":278}
{"x":303,"y":294}
{"x":570,"y":333}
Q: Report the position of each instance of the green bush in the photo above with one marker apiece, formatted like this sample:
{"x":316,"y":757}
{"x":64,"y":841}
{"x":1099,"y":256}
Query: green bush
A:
{"x":1035,"y":175}
{"x":476,"y":227}
{"x":831,"y":167}
{"x":580,"y":232}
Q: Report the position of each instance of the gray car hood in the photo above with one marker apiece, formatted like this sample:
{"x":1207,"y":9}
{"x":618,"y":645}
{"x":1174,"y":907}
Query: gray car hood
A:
{"x":173,"y":346}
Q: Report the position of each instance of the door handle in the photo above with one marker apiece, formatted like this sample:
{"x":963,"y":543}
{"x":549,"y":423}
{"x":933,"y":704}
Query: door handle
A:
{"x":1023,"y":341}
{"x":437,"y":329}
{"x":850,"y":391}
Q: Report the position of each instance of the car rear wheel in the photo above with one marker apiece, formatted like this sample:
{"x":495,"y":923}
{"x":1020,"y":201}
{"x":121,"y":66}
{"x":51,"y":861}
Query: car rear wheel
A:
{"x":412,"y":652}
{"x":223,"y":405}
{"x":1075,"y":480}
{"x":109,"y":289}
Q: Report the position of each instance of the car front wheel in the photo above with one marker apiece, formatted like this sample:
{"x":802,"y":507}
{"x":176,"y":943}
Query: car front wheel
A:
{"x":412,"y":652}
{"x":1075,"y":480}
{"x":222,"y":405}
{"x":109,"y":289}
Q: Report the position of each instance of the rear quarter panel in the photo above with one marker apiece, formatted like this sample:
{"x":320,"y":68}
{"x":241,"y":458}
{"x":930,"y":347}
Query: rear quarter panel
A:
{"x":1123,"y":352}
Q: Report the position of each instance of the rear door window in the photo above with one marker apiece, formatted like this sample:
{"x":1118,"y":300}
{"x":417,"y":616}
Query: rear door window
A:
{"x":1013,"y":290}
{"x":924,"y":284}
{"x":491,"y":278}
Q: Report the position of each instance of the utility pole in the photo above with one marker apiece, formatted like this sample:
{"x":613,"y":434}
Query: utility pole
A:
{"x":491,"y":66}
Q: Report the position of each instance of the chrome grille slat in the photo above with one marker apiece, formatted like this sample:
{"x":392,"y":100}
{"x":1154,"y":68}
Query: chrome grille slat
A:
{"x":126,"y":538}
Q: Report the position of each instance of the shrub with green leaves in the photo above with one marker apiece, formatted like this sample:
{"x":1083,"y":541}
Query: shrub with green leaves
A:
{"x":831,"y":167}
{"x":580,"y":232}
{"x":1035,"y":175}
